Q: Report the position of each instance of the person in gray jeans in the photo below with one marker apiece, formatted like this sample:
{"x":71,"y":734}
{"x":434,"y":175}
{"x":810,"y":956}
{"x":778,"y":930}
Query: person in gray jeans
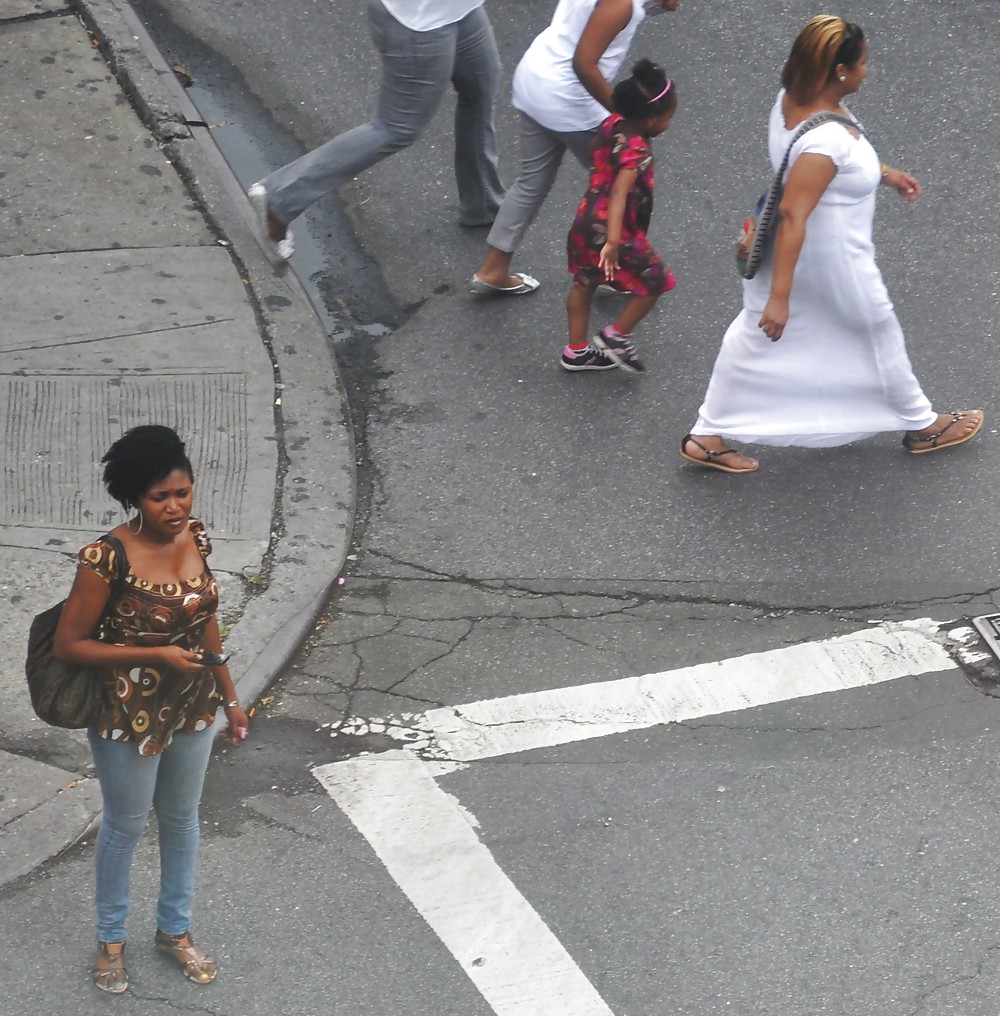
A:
{"x":562,"y":88}
{"x":422,"y":51}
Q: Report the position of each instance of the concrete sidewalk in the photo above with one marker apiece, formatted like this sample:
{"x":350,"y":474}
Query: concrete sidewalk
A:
{"x":134,"y":291}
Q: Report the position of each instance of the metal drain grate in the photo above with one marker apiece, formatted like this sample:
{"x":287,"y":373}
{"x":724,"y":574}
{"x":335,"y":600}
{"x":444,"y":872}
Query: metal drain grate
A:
{"x":988,"y":625}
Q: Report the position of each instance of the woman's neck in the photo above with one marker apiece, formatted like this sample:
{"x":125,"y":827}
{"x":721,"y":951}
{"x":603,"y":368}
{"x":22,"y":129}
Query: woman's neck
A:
{"x":831,"y":99}
{"x":146,"y":536}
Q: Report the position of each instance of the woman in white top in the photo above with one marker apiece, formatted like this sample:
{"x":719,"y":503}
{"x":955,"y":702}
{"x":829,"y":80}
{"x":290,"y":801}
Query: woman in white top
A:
{"x":562,"y":88}
{"x":840,"y":371}
{"x":425,"y":45}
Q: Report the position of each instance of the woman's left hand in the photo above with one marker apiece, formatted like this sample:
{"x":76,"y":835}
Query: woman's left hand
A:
{"x":235,"y":731}
{"x":906,"y":185}
{"x":774,"y":318}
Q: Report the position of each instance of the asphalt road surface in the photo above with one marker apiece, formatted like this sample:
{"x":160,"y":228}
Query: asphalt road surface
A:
{"x":490,"y":462}
{"x":525,"y":532}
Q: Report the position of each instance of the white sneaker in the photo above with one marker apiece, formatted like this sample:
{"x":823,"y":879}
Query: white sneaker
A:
{"x":282,"y":249}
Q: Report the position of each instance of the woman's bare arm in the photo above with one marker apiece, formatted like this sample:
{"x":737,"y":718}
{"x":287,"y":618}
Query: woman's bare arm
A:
{"x":807,"y":180}
{"x":608,"y":19}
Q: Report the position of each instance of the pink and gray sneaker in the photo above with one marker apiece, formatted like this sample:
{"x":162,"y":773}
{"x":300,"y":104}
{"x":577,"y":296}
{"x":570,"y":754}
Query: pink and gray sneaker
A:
{"x":587,"y":358}
{"x":618,"y":348}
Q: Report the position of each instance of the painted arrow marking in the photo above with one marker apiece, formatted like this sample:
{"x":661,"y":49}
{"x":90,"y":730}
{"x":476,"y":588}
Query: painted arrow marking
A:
{"x":428,"y":841}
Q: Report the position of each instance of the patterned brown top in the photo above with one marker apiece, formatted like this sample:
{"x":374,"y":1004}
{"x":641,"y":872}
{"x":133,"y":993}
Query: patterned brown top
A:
{"x":152,"y":705}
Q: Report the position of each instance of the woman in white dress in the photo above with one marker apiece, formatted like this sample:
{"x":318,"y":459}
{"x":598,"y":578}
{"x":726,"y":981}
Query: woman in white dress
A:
{"x":840,"y":371}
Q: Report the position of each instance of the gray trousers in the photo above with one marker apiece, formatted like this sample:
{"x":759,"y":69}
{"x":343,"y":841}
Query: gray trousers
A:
{"x":416,"y":70}
{"x":542,"y":151}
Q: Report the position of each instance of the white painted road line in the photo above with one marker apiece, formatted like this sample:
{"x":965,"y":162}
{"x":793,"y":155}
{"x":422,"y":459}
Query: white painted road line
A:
{"x":544,"y":719}
{"x":425,"y":839}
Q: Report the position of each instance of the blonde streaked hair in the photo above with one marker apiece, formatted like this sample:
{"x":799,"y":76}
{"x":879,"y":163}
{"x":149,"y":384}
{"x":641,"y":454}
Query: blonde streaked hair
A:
{"x":825,"y":42}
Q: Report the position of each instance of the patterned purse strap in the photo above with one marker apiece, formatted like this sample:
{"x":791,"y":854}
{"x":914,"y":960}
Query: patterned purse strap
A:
{"x":816,"y":120}
{"x":121,"y":563}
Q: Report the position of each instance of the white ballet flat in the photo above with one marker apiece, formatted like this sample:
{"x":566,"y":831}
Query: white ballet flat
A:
{"x":526,"y":285}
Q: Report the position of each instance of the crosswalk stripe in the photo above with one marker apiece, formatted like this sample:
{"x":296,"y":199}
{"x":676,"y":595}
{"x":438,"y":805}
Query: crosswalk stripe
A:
{"x":427,"y":840}
{"x":504,"y":726}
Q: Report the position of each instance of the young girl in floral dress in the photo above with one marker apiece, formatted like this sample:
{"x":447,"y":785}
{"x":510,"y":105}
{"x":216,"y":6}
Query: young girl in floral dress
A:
{"x":608,"y":241}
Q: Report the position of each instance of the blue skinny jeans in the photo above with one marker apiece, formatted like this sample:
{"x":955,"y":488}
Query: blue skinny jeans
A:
{"x":131,"y":784}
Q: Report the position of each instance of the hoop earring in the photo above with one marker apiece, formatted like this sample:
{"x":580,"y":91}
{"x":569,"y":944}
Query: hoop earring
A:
{"x":136,"y":532}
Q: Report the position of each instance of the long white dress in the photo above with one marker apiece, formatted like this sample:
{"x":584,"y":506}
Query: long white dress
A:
{"x":840,"y":371}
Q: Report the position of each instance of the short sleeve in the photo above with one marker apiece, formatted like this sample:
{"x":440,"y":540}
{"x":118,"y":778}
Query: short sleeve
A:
{"x":203,"y":543}
{"x":101,"y":558}
{"x":829,"y":139}
{"x":630,"y":153}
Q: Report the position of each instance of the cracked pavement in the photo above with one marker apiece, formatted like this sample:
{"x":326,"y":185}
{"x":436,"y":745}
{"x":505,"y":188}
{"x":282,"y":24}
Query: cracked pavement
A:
{"x":397,"y":647}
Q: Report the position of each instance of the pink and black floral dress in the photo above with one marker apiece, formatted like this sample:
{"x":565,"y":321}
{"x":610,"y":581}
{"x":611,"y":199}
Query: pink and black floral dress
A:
{"x":150,"y":704}
{"x":641,"y":271}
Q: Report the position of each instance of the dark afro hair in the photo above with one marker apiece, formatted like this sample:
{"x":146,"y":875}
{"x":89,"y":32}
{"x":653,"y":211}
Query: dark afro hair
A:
{"x":141,"y":457}
{"x":631,"y":96}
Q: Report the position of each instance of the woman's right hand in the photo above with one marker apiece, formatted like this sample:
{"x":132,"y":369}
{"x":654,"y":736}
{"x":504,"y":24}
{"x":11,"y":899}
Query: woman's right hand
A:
{"x":774,"y":318}
{"x":177,"y":658}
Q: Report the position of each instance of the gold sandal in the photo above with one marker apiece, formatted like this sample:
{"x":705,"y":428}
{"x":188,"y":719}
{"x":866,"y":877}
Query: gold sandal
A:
{"x":197,"y":965}
{"x":109,"y":968}
{"x":934,"y":441}
{"x":712,"y":456}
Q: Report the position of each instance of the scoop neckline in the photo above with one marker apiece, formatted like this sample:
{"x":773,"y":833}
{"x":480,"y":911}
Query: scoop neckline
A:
{"x":160,"y":585}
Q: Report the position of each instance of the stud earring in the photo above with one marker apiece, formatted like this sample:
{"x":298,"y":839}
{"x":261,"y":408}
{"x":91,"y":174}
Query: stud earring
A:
{"x":843,"y":78}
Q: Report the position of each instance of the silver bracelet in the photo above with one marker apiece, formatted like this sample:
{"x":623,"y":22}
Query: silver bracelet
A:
{"x":233,"y":705}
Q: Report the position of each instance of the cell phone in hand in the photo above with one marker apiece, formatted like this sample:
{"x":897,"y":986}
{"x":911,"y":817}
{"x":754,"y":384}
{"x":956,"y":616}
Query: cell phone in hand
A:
{"x":214,"y":659}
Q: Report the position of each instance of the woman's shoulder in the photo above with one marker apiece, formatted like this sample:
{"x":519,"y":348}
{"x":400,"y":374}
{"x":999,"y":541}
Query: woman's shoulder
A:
{"x":100,"y":557}
{"x":831,"y":139}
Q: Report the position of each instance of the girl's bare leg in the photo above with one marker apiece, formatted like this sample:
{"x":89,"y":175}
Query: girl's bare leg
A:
{"x":633,"y":312}
{"x":578,"y":315}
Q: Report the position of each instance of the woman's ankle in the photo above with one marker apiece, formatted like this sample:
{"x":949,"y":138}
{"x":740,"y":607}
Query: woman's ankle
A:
{"x":276,"y":229}
{"x":495,"y":269}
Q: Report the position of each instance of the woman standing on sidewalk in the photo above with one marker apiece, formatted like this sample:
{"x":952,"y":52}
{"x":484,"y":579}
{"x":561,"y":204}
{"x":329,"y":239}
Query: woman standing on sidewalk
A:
{"x":562,"y":87}
{"x":424,"y":46}
{"x":152,"y":747}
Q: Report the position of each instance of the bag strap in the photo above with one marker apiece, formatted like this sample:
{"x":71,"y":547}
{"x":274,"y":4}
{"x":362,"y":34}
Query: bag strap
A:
{"x":816,"y":120}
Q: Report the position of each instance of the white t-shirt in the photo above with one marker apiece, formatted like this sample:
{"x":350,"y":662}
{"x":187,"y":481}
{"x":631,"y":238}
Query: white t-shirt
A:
{"x":546,"y":86}
{"x":426,"y":15}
